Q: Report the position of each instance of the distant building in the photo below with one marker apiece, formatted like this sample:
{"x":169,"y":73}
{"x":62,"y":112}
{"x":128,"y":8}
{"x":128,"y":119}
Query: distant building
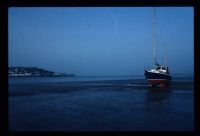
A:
{"x":31,"y":71}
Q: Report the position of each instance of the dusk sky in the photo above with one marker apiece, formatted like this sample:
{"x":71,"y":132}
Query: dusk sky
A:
{"x":93,"y":41}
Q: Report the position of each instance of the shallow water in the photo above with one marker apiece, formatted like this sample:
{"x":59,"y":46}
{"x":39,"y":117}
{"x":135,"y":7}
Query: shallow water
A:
{"x":103,"y":105}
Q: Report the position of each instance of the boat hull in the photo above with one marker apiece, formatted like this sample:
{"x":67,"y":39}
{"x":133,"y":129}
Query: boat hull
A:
{"x":158,"y":79}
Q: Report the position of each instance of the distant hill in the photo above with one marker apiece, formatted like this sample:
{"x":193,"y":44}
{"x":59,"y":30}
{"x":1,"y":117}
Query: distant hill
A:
{"x":33,"y":71}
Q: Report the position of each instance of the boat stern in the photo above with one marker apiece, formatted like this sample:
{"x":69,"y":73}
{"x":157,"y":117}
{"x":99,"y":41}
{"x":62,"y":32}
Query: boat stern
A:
{"x":157,"y":79}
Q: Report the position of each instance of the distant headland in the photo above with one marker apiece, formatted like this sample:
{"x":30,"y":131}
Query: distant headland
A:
{"x":33,"y":72}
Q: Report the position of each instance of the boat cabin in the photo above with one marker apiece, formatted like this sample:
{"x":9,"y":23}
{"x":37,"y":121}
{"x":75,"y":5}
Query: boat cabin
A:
{"x":162,"y":69}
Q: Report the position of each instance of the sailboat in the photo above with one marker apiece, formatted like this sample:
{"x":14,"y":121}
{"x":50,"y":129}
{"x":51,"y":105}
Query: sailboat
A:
{"x":160,"y":74}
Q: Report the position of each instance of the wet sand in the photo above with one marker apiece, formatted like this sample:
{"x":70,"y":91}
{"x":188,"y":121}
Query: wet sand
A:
{"x":100,"y":106}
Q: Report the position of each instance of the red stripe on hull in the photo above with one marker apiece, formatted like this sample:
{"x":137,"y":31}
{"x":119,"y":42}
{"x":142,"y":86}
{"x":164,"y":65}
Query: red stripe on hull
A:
{"x":162,"y":83}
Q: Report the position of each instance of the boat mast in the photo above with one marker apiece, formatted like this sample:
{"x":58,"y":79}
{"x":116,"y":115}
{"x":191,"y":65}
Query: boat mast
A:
{"x":154,"y":36}
{"x":165,"y":59}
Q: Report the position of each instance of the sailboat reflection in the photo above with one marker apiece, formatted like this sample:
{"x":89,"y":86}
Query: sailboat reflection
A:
{"x":157,"y":98}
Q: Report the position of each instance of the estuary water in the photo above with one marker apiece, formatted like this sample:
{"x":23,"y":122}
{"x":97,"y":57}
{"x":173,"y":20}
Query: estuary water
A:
{"x":100,"y":103}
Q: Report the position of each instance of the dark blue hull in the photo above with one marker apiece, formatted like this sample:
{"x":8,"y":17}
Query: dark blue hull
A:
{"x":150,"y":75}
{"x":157,"y":78}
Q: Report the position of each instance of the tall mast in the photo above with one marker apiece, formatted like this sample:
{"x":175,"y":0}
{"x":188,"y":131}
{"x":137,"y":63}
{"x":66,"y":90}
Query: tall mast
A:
{"x":165,"y":58}
{"x":154,"y":36}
